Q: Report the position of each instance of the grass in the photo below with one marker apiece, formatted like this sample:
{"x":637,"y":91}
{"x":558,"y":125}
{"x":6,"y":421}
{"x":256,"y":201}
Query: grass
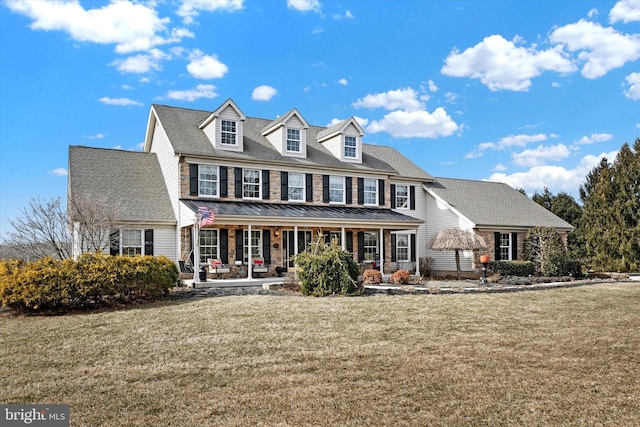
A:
{"x":537,"y":358}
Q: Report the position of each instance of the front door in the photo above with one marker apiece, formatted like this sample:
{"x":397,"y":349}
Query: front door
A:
{"x":288,"y":243}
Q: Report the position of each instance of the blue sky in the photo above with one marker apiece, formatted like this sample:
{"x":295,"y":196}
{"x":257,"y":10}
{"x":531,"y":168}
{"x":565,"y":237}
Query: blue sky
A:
{"x":531,"y":93}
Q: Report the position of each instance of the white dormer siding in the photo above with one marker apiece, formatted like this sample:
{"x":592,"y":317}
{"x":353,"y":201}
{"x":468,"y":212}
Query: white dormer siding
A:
{"x":288,"y":134}
{"x":344,"y":141}
{"x":225,"y":127}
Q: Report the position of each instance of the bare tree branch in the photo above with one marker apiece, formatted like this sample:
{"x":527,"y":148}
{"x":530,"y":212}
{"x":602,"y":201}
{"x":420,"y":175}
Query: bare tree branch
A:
{"x":96,"y":217}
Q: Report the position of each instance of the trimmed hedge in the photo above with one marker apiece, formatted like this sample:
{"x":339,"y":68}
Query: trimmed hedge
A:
{"x":93,"y":280}
{"x":514,"y":268}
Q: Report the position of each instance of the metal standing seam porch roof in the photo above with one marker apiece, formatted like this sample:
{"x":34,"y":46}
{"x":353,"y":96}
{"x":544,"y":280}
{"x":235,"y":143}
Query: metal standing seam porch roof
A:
{"x":231,"y":212}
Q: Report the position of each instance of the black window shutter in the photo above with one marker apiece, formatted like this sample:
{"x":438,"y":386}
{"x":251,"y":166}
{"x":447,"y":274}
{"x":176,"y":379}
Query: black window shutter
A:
{"x":239,"y":245}
{"x":412,"y":197}
{"x":266,"y":246}
{"x":412,"y":239}
{"x":393,"y":248}
{"x":284,"y":185}
{"x":360,"y":246}
{"x":309,"y":189}
{"x":496,"y":245}
{"x":114,"y":242}
{"x":238,"y":182}
{"x":148,"y":241}
{"x":224,"y":246}
{"x":349,"y":243}
{"x":265,"y":184}
{"x":393,"y":196}
{"x":348,"y":190}
{"x":361,"y":191}
{"x":193,"y":180}
{"x":381,"y":192}
{"x":325,"y":188}
{"x":514,"y":246}
{"x":224,"y":182}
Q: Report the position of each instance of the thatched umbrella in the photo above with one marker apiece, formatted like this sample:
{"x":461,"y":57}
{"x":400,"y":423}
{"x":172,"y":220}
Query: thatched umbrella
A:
{"x":455,"y":239}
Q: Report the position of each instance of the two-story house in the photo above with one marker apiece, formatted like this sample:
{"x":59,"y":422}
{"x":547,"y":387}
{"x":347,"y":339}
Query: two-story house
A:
{"x":273,"y":185}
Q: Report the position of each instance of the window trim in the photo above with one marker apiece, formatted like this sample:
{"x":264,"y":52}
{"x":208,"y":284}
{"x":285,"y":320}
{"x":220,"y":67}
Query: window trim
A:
{"x":122,"y":241}
{"x":233,"y":133}
{"x":245,"y":184}
{"x":407,"y":247}
{"x":217,"y":181}
{"x":508,"y":247}
{"x":246,"y":245}
{"x":293,"y":140}
{"x":216,"y":246}
{"x":343,"y":190}
{"x":365,"y":192}
{"x":289,"y":187}
{"x":406,"y":204}
{"x":375,"y":246}
{"x":350,"y":147}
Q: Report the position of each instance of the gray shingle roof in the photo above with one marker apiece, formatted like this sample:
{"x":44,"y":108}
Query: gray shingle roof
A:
{"x":181,"y":126}
{"x":350,"y":215}
{"x":129,"y":178}
{"x":494,"y":204}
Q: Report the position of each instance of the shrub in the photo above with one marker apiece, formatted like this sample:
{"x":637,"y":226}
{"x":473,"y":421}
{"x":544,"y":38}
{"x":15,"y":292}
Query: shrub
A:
{"x":93,"y":280}
{"x":327,"y":269}
{"x":514,"y":268}
{"x":400,"y":277}
{"x":371,"y":277}
{"x":426,"y":265}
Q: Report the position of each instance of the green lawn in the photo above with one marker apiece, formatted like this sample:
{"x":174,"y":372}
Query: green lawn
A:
{"x":534,"y":358}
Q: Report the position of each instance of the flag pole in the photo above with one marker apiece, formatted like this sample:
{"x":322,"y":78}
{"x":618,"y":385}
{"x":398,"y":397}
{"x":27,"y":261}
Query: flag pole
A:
{"x":196,"y":249}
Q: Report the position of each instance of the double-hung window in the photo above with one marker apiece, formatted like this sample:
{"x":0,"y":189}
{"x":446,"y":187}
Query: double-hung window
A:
{"x":402,"y":247}
{"x":296,"y":187}
{"x":370,"y":246}
{"x":293,"y":140}
{"x":251,"y":184}
{"x":336,"y":189}
{"x":402,"y":196}
{"x":208,"y":180}
{"x":131,"y":242}
{"x":370,"y":192}
{"x":505,"y":246}
{"x":337,"y":236}
{"x":255,"y":243}
{"x":228,"y":132}
{"x":350,"y":145}
{"x":208,"y":245}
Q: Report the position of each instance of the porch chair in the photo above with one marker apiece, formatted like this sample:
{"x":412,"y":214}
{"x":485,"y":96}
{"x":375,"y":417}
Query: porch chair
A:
{"x":217,"y":267}
{"x":259,"y":267}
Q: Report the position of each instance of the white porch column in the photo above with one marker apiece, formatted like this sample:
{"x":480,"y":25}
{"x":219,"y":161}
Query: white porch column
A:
{"x":249,"y":260}
{"x":343,"y":238}
{"x":382,"y":250}
{"x":196,"y":250}
{"x":415,"y":236}
{"x":295,"y":249}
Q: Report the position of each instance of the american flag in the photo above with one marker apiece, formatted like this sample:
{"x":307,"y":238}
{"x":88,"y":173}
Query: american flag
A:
{"x":208,"y":217}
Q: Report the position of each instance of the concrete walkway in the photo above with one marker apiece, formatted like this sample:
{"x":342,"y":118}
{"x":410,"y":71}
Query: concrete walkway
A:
{"x":233,"y":283}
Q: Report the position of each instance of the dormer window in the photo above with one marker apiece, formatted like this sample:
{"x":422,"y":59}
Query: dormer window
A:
{"x":293,"y":140}
{"x":228,"y":132}
{"x":350,"y":147}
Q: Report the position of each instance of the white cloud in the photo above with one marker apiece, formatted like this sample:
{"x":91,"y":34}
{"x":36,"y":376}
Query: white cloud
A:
{"x":556,"y":178}
{"x":130,"y":26}
{"x":362,"y":122}
{"x":432,"y":86}
{"x":633,"y":80}
{"x":205,"y":66}
{"x":122,"y":102}
{"x":506,"y":143}
{"x":59,"y":172}
{"x":304,"y":5}
{"x":143,"y":63}
{"x":189,"y":9}
{"x":200,"y":91}
{"x":625,"y":11}
{"x":499,"y":167}
{"x":450,"y":97}
{"x":346,"y":15}
{"x":501,"y":65}
{"x":144,"y":80}
{"x":593,"y":12}
{"x":595,"y":137}
{"x":343,"y":82}
{"x":404,"y":99}
{"x":96,"y":136}
{"x":415,"y":124}
{"x":601,"y":49}
{"x":541,"y":155}
{"x":263,"y":93}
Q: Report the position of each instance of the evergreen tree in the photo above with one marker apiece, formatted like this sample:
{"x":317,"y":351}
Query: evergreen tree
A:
{"x":566,"y":207}
{"x":611,"y":209}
